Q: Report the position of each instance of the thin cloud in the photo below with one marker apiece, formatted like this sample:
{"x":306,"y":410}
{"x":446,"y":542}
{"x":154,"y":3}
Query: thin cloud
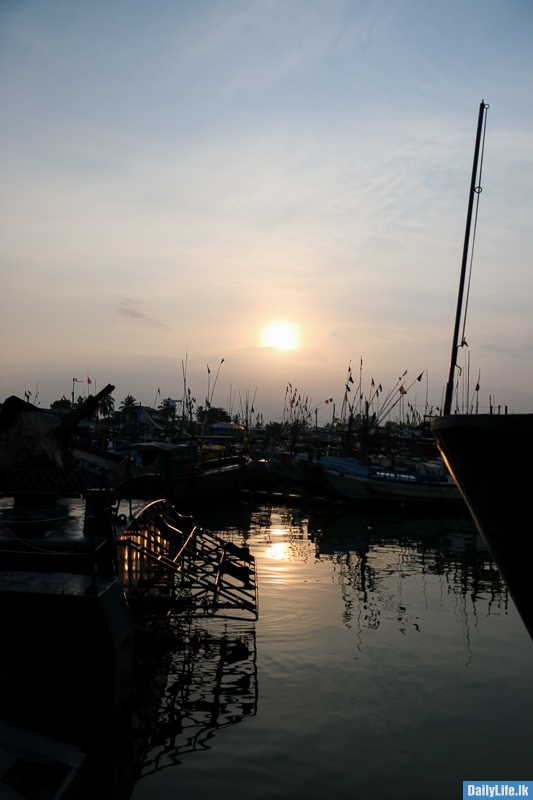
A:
{"x":129,"y":307}
{"x":525,"y":351}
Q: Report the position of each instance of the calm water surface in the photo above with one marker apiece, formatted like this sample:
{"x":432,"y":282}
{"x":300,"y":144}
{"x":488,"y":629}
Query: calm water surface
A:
{"x":387,"y":662}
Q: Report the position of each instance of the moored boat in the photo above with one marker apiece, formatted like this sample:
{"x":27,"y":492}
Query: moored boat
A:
{"x":416,"y":485}
{"x":68,"y":629}
{"x":40,"y":765}
{"x":177,"y":473}
{"x":489,"y":456}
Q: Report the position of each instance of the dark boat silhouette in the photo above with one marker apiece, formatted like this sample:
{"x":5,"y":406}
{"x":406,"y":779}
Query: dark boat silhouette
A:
{"x":489,"y":458}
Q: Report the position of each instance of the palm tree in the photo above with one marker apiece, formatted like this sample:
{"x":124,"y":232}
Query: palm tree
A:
{"x":168,"y":409}
{"x":127,"y":406}
{"x":212,"y":414}
{"x":128,"y":403}
{"x":61,"y":405}
{"x":106,"y":406}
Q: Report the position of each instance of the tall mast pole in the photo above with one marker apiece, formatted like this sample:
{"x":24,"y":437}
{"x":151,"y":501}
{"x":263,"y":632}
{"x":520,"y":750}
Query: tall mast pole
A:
{"x":455,"y":343}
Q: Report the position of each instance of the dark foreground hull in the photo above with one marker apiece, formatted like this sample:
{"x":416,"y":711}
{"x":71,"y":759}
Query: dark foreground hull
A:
{"x":489,"y":457}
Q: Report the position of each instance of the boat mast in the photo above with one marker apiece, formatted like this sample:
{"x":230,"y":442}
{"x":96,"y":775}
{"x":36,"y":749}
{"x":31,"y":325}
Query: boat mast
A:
{"x":455,"y":344}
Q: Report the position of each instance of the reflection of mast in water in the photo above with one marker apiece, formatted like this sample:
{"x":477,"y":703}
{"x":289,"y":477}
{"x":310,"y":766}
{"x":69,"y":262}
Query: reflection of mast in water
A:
{"x":366,"y":564}
{"x":211,"y":684}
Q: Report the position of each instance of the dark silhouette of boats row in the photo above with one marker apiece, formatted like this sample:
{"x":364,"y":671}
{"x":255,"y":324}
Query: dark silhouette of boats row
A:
{"x":361,"y":460}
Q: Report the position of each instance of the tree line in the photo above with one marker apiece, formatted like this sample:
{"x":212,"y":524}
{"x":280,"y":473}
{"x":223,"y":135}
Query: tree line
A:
{"x":168,"y":410}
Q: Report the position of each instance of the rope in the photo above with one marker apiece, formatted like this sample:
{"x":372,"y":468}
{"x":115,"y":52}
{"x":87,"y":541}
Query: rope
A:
{"x":79,"y":550}
{"x":34,"y":481}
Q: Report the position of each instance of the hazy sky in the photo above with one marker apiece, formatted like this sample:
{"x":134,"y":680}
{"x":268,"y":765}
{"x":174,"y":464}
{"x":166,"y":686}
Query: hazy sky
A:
{"x":176,"y":175}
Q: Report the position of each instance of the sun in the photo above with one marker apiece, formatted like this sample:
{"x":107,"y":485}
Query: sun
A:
{"x":280,"y":335}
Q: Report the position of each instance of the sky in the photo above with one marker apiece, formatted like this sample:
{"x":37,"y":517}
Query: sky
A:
{"x":178,"y":175}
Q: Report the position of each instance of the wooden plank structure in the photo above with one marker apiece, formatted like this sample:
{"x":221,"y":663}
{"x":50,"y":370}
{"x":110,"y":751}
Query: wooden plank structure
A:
{"x":170,"y":566}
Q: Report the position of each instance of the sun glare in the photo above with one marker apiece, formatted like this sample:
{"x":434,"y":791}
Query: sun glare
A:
{"x":280,"y":335}
{"x":278,"y":551}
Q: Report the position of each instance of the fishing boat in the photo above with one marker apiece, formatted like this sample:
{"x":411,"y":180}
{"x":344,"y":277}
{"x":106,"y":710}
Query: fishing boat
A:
{"x":68,"y":631}
{"x":489,"y":456}
{"x":176,"y":472}
{"x":36,"y":460}
{"x":420,"y":484}
{"x":39,"y":765}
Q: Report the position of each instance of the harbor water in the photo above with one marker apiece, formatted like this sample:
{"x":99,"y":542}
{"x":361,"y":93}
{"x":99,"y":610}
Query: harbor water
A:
{"x":388,"y":661}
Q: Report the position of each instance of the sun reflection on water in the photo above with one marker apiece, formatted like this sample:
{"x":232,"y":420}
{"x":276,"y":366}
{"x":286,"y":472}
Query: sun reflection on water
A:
{"x":279,"y":551}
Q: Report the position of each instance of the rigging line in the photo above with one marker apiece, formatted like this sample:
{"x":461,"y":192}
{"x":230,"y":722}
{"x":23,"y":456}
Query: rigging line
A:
{"x":478,"y":191}
{"x":386,"y":408}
